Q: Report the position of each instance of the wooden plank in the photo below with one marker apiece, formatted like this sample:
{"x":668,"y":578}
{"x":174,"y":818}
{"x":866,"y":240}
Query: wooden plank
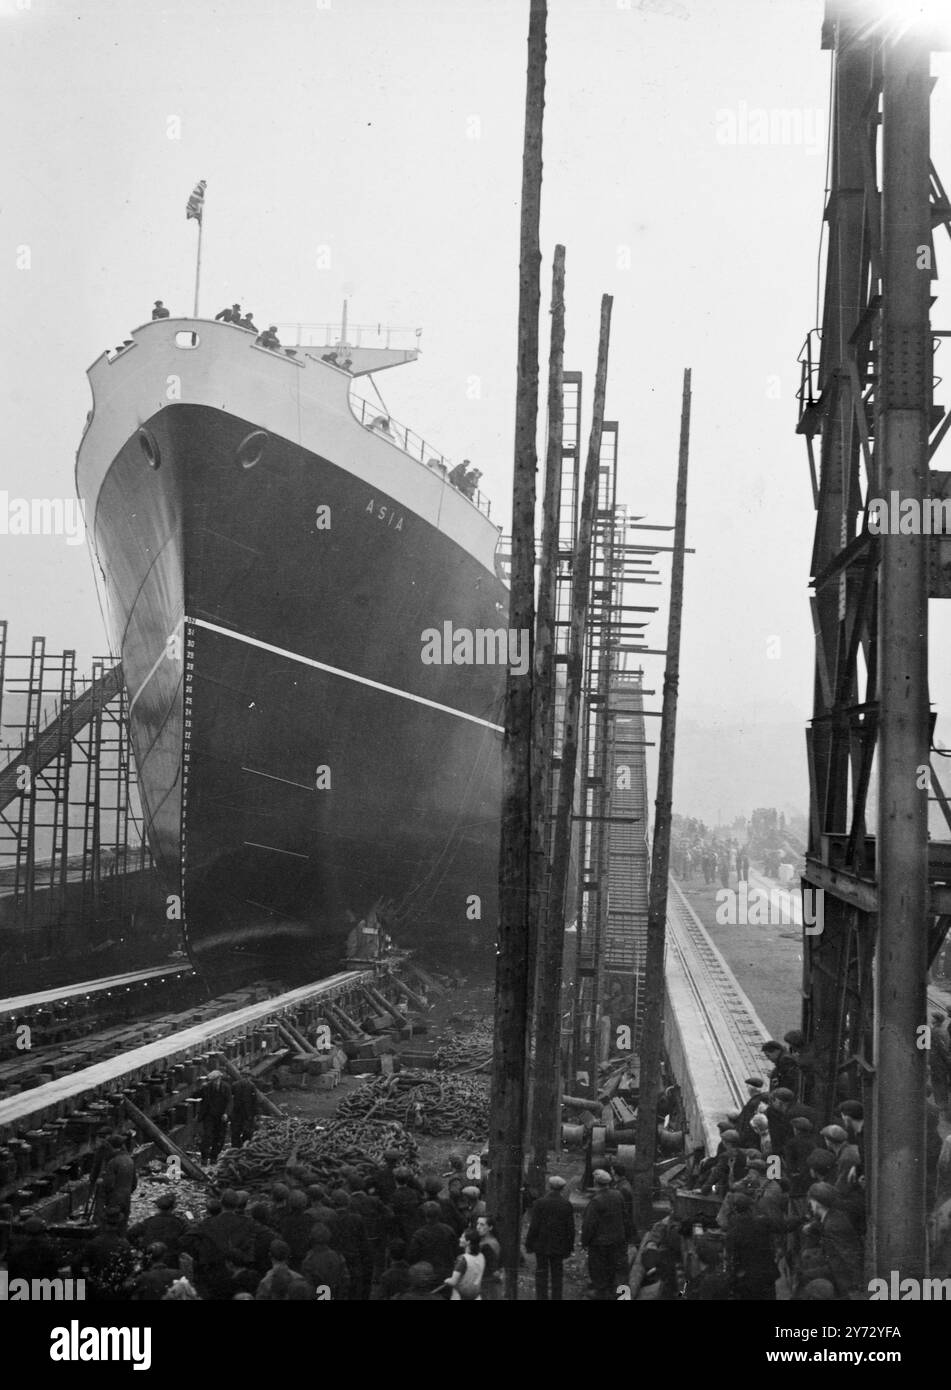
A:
{"x":21,"y":1003}
{"x":59,"y":1096}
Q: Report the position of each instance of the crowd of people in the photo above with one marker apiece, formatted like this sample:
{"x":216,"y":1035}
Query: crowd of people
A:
{"x":712,"y":860}
{"x":788,"y":1215}
{"x":234,"y":314}
{"x":465,"y":479}
{"x":383,"y":1234}
{"x":792,"y":1190}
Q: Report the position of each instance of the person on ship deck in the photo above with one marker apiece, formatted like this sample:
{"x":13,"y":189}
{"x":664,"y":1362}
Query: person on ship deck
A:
{"x":269,"y":339}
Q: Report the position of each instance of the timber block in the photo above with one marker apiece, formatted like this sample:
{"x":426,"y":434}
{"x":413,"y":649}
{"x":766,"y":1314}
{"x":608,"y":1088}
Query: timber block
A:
{"x":377,"y":1023}
{"x":412,"y":1059}
{"x":364,"y":1066}
{"x":375,"y":1047}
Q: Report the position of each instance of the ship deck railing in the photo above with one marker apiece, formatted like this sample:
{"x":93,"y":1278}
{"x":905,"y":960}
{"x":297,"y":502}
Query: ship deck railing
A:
{"x":337,"y":335}
{"x":371,"y":415}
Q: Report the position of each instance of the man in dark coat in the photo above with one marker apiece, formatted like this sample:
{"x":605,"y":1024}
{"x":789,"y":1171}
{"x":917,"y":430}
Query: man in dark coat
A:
{"x":749,"y":1250}
{"x":778,"y":1118}
{"x":706,"y":1282}
{"x":212,"y":1278}
{"x":213,"y":1112}
{"x":451,"y":1214}
{"x":551,"y":1239}
{"x":834,"y":1235}
{"x":385,"y":1179}
{"x":796,"y":1152}
{"x":244,"y":1109}
{"x":119,"y":1179}
{"x":785,"y":1067}
{"x":296,"y":1226}
{"x":755,"y":1086}
{"x":159,"y":311}
{"x":264,"y":1237}
{"x":324,"y":1267}
{"x":728,"y":1168}
{"x":404,"y":1204}
{"x":348,"y":1236}
{"x":232,"y":1232}
{"x":164,"y":1227}
{"x":434,"y":1243}
{"x":604,"y":1235}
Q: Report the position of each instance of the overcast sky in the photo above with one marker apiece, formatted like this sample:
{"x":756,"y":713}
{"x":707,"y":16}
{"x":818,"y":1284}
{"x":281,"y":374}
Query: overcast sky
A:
{"x":391,"y":134}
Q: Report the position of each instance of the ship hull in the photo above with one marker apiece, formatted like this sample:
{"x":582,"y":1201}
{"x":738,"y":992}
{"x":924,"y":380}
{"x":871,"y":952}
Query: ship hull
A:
{"x":298,"y":760}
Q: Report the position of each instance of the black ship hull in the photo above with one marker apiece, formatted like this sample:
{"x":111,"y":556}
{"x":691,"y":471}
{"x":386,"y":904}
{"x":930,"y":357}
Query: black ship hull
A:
{"x":298,"y":761}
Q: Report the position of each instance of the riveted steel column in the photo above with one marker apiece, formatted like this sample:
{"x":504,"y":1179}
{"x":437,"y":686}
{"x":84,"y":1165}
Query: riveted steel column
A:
{"x":904,"y":399}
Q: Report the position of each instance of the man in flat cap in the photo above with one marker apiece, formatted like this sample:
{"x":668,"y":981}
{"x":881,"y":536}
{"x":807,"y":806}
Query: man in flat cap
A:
{"x":163,"y":1227}
{"x":831,"y":1232}
{"x":551,"y":1239}
{"x":213,"y":1111}
{"x":749,"y":1251}
{"x":779,"y":1118}
{"x":820,"y":1164}
{"x":604,"y":1235}
{"x":729,"y":1167}
{"x":119,"y":1180}
{"x":851,"y":1116}
{"x":785,"y":1070}
{"x":756,"y":1097}
{"x":848,"y":1160}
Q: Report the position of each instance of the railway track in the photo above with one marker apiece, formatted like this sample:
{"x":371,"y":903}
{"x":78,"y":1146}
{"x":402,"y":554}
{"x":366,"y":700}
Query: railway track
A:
{"x":715,"y":1036}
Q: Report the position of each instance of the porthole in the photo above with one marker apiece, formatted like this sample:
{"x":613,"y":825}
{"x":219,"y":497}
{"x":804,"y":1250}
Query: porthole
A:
{"x":251,"y":449}
{"x":149,"y":446}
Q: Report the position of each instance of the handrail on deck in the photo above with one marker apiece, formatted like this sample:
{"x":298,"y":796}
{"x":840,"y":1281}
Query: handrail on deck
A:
{"x":372,"y":416}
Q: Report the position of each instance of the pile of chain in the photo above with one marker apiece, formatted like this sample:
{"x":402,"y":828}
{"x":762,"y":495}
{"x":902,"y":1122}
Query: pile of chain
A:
{"x":318,"y":1154}
{"x":438,"y":1105}
{"x":468,"y":1049}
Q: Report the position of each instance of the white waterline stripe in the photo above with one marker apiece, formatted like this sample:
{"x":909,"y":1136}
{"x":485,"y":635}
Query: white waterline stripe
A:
{"x":253,"y":844}
{"x":155,"y":665}
{"x":346,"y":675}
{"x":271,"y":778}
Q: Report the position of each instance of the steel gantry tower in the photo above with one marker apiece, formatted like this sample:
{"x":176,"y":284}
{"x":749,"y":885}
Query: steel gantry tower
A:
{"x":871,"y":426}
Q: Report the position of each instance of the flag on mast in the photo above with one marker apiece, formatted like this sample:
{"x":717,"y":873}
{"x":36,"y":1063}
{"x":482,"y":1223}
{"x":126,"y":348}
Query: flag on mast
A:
{"x":196,"y":203}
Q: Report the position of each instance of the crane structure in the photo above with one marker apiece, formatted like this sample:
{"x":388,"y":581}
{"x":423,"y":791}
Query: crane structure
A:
{"x":879,"y":883}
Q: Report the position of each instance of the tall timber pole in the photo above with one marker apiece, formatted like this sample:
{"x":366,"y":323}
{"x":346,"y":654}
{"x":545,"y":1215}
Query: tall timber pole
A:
{"x":543,"y":716}
{"x":515,"y":949}
{"x":552,"y":938}
{"x":653,"y":1020}
{"x":904,"y":404}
